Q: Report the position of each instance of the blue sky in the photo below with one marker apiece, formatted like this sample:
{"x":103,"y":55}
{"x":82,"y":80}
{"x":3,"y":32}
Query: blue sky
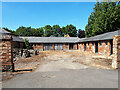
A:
{"x":39,"y":14}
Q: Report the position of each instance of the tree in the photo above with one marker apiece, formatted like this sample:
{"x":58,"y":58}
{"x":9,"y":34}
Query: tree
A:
{"x":81,"y":33}
{"x":56,"y":30}
{"x":28,"y":31}
{"x":71,"y":30}
{"x":23,"y":31}
{"x":105,"y":18}
{"x":37,"y":32}
{"x":48,"y":30}
{"x":26,"y":43}
{"x":63,"y":31}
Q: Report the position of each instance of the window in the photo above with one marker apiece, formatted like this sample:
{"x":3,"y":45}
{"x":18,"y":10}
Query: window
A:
{"x":88,"y":43}
{"x":93,"y":43}
{"x":106,"y":42}
{"x":100,"y":43}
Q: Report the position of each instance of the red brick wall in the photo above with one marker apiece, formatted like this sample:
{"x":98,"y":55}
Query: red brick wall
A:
{"x":66,"y":46}
{"x":75,"y":46}
{"x":38,"y":46}
{"x":80,"y":47}
{"x":104,"y":49}
{"x":6,"y":54}
{"x":90,"y":47}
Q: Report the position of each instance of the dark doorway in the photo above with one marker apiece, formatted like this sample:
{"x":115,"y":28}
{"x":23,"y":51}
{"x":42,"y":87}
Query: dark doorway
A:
{"x":85,"y":46}
{"x":71,"y":46}
{"x":77,"y":46}
{"x":96,"y":47}
{"x":111,"y":47}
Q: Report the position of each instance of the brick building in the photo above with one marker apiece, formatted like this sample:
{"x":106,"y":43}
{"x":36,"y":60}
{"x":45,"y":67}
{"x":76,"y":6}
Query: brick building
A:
{"x":102,"y":44}
{"x":53,"y":43}
{"x":105,"y":44}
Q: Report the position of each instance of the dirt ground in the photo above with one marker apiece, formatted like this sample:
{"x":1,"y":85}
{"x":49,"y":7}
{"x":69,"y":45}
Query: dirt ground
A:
{"x":64,"y":69}
{"x":59,"y":59}
{"x":94,"y":60}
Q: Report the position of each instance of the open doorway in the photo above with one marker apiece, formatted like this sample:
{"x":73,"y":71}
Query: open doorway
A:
{"x":96,"y":47}
{"x":71,"y":46}
{"x":85,"y":46}
{"x":111,"y":47}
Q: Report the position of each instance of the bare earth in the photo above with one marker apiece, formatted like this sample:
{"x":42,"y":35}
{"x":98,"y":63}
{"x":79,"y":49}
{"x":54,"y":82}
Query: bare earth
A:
{"x":61,"y":69}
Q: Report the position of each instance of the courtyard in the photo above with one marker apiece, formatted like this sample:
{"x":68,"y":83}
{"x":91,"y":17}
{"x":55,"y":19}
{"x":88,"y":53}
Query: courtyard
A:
{"x":64,"y":69}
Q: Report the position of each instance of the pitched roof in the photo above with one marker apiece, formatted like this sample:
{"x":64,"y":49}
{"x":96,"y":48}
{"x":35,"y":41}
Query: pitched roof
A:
{"x":5,"y":33}
{"x":105,"y":36}
{"x":52,"y":39}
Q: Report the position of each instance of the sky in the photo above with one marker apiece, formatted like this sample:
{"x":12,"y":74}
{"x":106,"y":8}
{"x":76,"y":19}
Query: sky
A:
{"x":39,"y":14}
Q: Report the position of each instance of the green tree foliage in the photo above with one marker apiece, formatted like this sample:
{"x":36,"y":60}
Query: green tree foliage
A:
{"x":56,"y":30}
{"x":104,"y":18}
{"x":27,"y":45}
{"x":37,"y":32}
{"x":81,"y":33}
{"x":47,"y":31}
{"x":71,"y":30}
{"x":23,"y":31}
{"x":28,"y":31}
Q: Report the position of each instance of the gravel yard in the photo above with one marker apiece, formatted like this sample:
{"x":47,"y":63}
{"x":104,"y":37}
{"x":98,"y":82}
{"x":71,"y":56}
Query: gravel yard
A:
{"x":55,"y":69}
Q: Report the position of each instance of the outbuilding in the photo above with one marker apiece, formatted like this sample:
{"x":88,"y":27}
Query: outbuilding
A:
{"x":53,"y":43}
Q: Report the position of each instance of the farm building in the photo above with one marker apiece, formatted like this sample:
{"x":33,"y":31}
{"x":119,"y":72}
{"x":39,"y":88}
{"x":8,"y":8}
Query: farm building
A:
{"x":53,"y":43}
{"x":102,"y":44}
{"x":105,"y":44}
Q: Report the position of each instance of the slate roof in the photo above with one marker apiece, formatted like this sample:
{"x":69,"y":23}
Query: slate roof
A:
{"x":52,"y":39}
{"x":4,"y":32}
{"x":105,"y":36}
